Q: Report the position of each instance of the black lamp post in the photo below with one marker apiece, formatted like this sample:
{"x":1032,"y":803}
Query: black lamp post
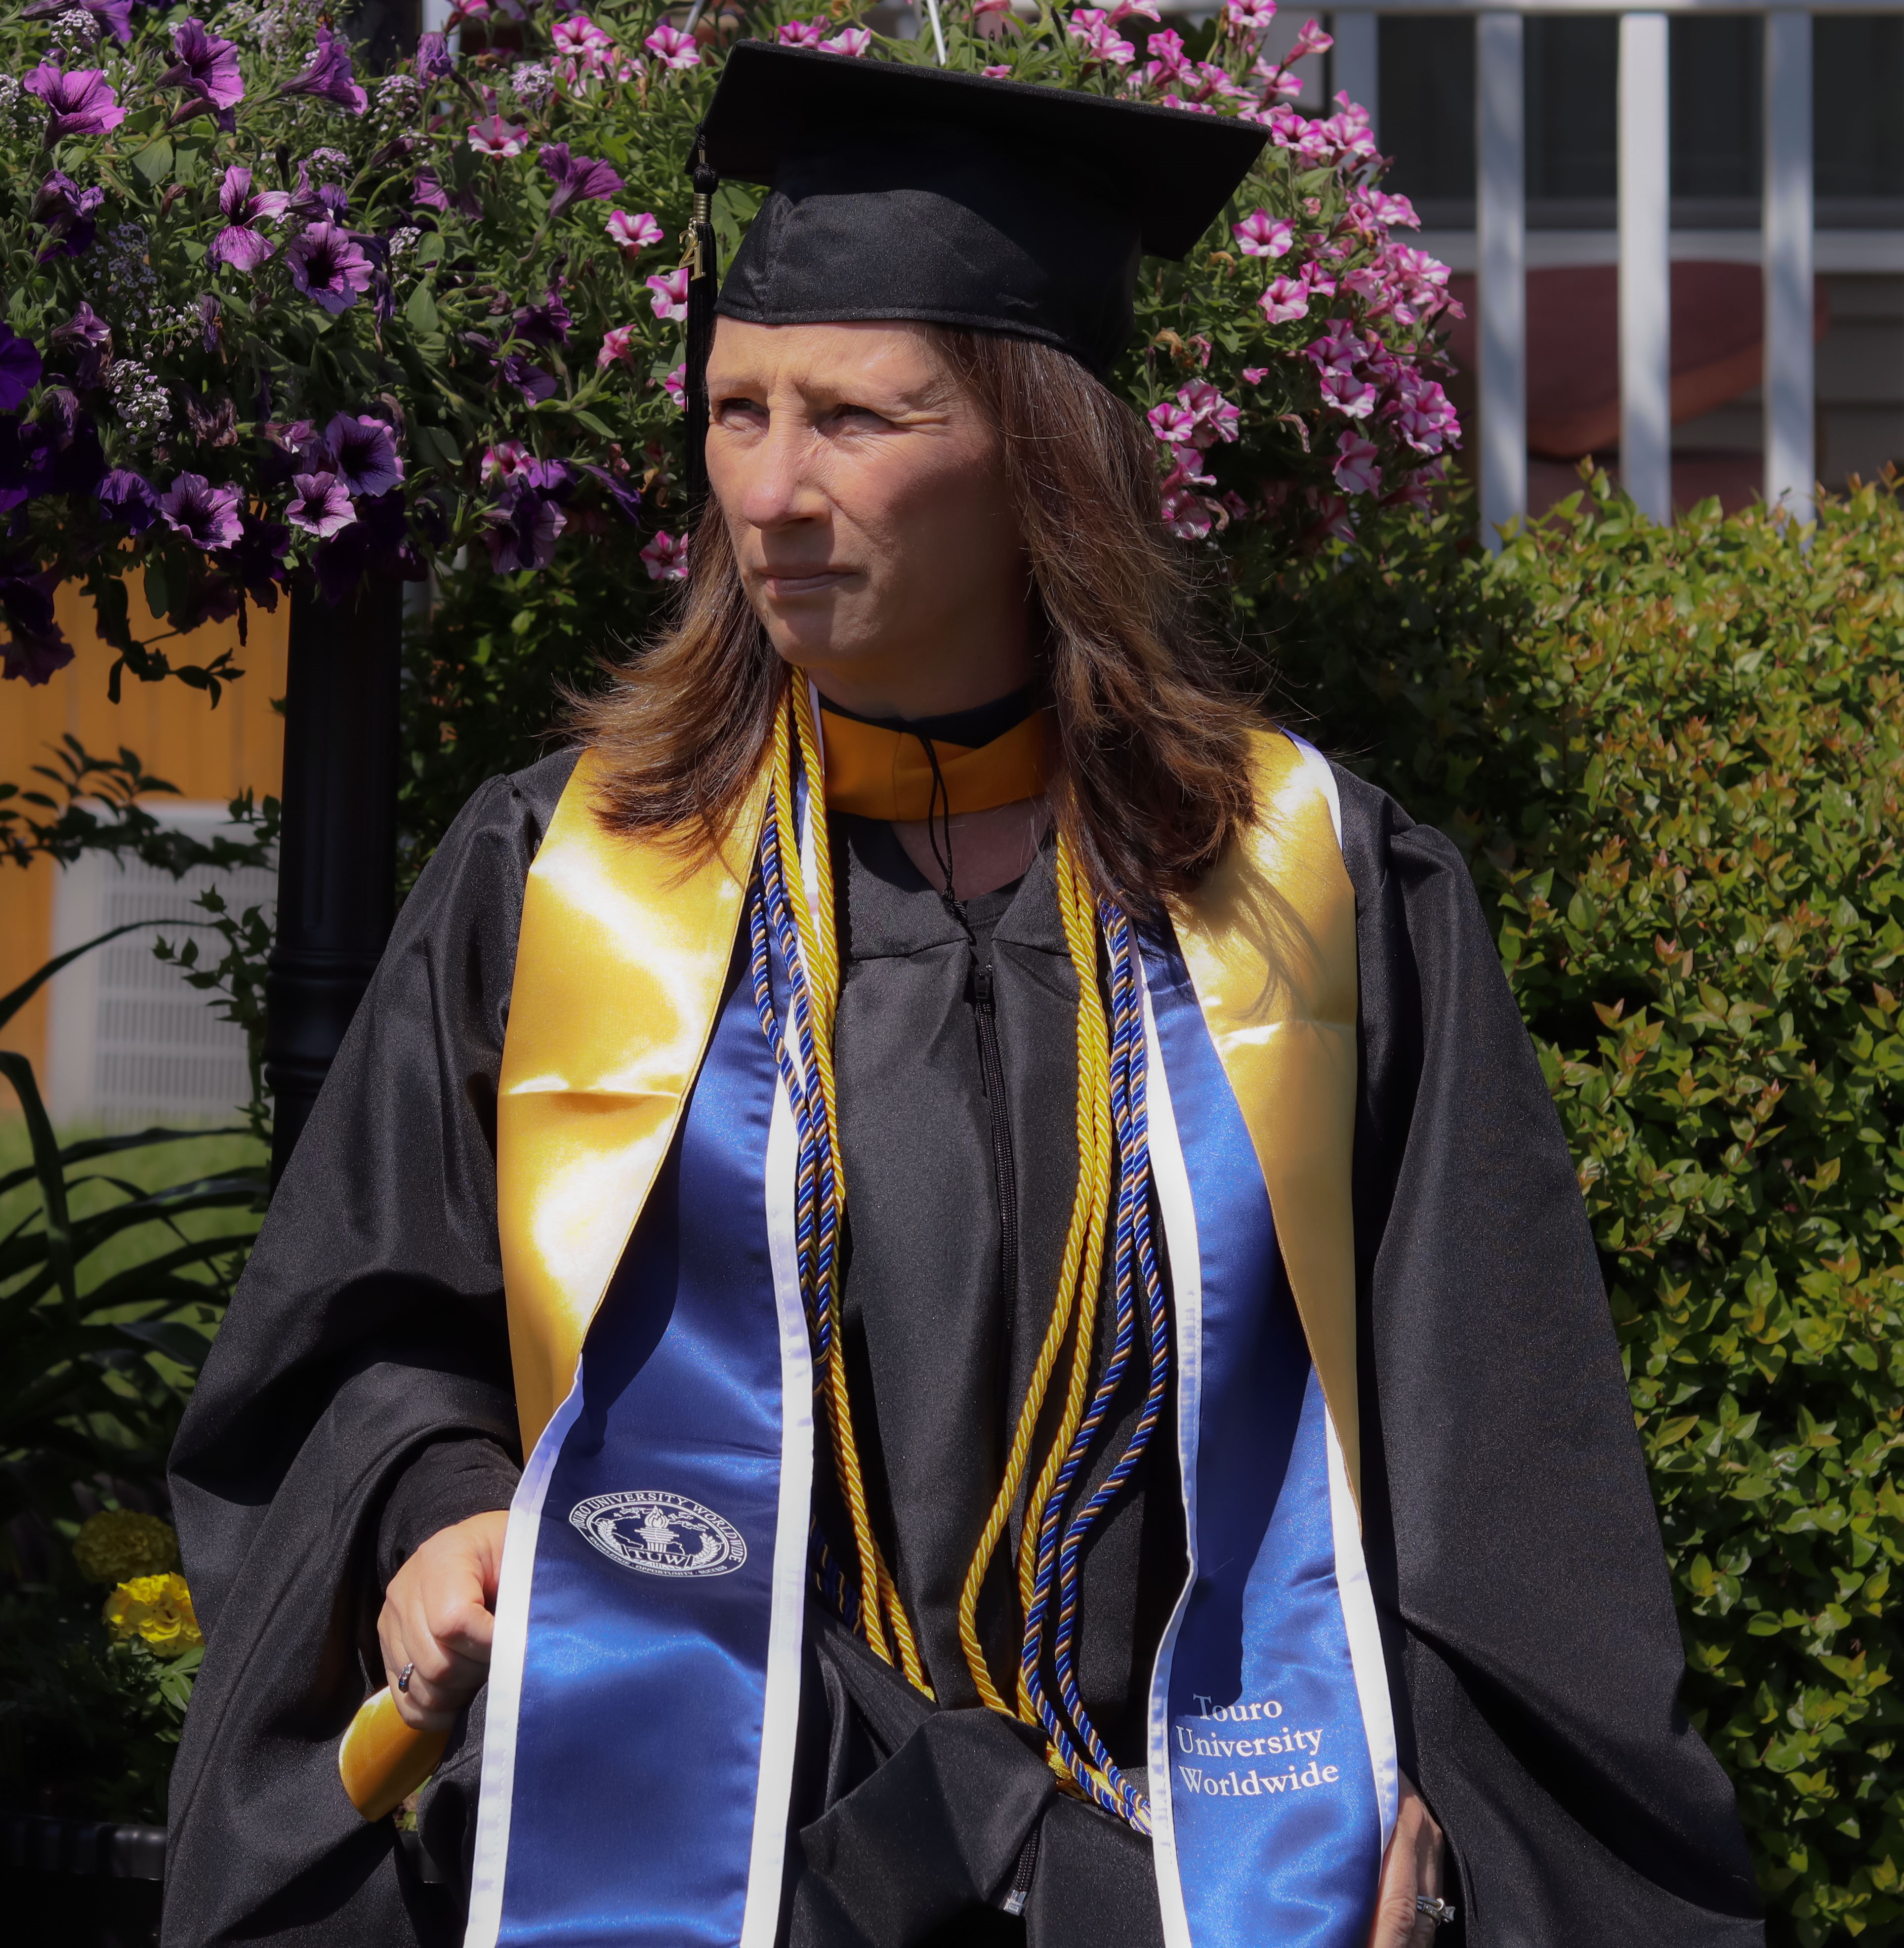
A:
{"x":337,"y":862}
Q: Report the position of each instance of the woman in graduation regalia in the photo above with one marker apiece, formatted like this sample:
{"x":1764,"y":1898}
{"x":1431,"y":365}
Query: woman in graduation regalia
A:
{"x":989,"y":1218}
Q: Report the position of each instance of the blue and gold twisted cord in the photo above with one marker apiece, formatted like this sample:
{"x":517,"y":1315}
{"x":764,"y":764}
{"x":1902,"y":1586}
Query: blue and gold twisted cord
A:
{"x":1111,"y":1117}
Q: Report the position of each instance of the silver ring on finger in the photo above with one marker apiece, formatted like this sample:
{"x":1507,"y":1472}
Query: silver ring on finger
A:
{"x":409,"y":1671}
{"x":1436,"y":1909}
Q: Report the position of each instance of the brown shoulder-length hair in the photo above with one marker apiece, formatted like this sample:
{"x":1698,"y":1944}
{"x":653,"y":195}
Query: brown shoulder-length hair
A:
{"x":1150,"y":776}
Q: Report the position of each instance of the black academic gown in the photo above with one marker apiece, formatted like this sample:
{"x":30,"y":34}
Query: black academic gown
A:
{"x":358,"y":1398}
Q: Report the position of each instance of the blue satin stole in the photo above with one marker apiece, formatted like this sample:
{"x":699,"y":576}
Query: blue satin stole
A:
{"x":638,"y":1752}
{"x":1270,"y":1827}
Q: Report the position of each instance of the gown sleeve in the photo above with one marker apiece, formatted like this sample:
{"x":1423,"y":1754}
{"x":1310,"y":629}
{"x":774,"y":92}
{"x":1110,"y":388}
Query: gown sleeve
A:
{"x":358,"y":1393}
{"x":1534,"y":1654}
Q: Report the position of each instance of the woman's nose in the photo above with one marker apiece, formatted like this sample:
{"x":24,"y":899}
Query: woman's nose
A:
{"x":778,"y":488}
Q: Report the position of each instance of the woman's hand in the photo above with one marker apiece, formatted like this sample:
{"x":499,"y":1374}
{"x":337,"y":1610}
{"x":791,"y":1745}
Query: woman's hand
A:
{"x":1412,"y":1868}
{"x":437,"y":1615}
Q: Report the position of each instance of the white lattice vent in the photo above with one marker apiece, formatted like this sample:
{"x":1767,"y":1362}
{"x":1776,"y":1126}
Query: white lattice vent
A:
{"x":130,"y":1042}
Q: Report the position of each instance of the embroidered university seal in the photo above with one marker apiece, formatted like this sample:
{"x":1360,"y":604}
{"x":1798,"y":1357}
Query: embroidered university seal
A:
{"x":660,"y":1534}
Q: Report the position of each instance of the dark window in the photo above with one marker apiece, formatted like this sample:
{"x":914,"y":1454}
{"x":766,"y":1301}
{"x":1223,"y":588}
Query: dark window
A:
{"x":1858,"y":117}
{"x":1717,"y":109}
{"x":1573,"y":71}
{"x":1425,"y":121}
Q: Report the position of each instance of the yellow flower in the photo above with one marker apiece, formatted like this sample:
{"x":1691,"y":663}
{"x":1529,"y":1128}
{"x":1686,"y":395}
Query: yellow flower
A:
{"x":157,"y":1608}
{"x":117,"y":1545}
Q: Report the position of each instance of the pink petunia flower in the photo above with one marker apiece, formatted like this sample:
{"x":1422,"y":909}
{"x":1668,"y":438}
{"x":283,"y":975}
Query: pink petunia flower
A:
{"x":1356,"y":471}
{"x":492,"y":136}
{"x":670,"y":293}
{"x":1261,"y":235}
{"x":804,"y":33}
{"x":1133,"y":10}
{"x":1168,"y":61}
{"x":666,"y":558}
{"x":617,"y":344}
{"x":1310,"y":40}
{"x":1092,"y":25}
{"x":854,"y":41}
{"x":1333,"y":521}
{"x":1172,"y":423}
{"x":675,"y":49}
{"x":632,"y":235}
{"x":1254,"y":375}
{"x":1286,"y":298}
{"x":676,"y":386}
{"x":1216,"y":417}
{"x":999,"y":71}
{"x":1243,"y":18}
{"x":504,"y":460}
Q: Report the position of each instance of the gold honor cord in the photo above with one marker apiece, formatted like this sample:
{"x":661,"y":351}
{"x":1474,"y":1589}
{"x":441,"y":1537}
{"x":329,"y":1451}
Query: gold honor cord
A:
{"x":880,"y":1604}
{"x":1077,"y":1290}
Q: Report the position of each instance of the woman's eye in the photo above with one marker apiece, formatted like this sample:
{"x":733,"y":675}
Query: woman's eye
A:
{"x":852,"y":415}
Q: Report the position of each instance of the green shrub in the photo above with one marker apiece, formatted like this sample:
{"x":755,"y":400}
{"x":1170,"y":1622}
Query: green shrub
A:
{"x":1675,"y":758}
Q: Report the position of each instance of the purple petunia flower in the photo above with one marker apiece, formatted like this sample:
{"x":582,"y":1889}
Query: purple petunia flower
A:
{"x":256,"y":561}
{"x":93,"y":337}
{"x":577,"y":178}
{"x":529,"y":379}
{"x":112,"y":16}
{"x":192,"y":507}
{"x":434,"y":60}
{"x":68,"y":213}
{"x":362,"y":451}
{"x":320,"y":505}
{"x":427,"y":191}
{"x":329,"y":77}
{"x":628,"y":499}
{"x":38,"y":647}
{"x":239,"y":244}
{"x":521,"y":529}
{"x":129,"y":499}
{"x":206,"y":67}
{"x":327,"y":266}
{"x":547,"y":323}
{"x":82,"y":103}
{"x":20,"y":367}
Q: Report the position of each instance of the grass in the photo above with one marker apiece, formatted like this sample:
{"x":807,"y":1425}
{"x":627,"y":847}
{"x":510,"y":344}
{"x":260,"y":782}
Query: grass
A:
{"x":154,"y":1168}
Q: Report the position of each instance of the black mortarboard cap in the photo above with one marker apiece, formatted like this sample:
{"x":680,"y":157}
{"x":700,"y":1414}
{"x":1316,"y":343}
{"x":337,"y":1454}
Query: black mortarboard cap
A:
{"x":898,"y":190}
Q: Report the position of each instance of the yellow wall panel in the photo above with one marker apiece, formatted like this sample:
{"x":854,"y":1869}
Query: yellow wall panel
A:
{"x":178,"y":735}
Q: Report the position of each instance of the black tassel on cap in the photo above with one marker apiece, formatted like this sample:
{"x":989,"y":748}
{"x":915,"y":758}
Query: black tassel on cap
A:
{"x":703,"y":285}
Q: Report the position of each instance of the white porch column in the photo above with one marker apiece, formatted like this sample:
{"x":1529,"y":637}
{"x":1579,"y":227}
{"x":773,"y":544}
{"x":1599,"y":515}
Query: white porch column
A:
{"x":1357,"y":63}
{"x":1645,"y":268}
{"x":1790,"y":465}
{"x":1501,"y":240}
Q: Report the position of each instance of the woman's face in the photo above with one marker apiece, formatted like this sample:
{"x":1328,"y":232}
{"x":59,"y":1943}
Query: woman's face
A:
{"x":866,"y":496}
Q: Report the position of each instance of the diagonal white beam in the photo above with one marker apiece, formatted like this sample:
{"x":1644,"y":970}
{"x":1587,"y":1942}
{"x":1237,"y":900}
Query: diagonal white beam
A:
{"x":1645,"y":268}
{"x":1502,"y":241}
{"x":1790,"y":462}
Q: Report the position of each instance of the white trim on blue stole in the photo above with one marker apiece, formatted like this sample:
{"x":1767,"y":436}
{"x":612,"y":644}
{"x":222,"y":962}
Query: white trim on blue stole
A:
{"x":1322,"y":1893}
{"x":510,"y":1645}
{"x":767,"y":1869}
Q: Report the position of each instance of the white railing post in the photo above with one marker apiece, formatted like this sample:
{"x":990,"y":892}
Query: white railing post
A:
{"x":1501,"y":240}
{"x":1357,"y":63}
{"x":1790,"y":461}
{"x":1645,"y":268}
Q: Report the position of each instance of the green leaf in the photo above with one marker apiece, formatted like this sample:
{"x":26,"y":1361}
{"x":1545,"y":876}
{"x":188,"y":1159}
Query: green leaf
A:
{"x":420,"y":312}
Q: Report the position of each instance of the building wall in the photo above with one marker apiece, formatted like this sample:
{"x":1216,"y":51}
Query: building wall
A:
{"x":208,"y":752}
